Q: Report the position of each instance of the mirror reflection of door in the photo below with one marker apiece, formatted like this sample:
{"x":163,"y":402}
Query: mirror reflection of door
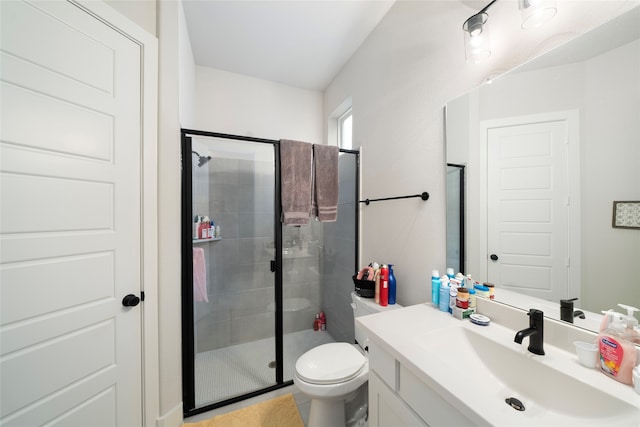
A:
{"x":528,"y":207}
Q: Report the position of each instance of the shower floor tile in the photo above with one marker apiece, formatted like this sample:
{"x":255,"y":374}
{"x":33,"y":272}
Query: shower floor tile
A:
{"x":232,"y":371}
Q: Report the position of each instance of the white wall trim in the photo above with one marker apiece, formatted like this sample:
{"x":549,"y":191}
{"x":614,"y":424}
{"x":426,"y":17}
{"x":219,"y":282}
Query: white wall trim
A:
{"x":172,"y":418}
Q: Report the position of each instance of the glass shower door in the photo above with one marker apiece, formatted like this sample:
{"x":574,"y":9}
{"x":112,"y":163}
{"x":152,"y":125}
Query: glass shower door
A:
{"x":234,"y":287}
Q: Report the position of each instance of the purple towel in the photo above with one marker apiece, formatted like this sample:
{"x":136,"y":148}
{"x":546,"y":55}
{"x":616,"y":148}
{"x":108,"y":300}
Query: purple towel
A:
{"x":295,"y":181}
{"x":325,"y":182}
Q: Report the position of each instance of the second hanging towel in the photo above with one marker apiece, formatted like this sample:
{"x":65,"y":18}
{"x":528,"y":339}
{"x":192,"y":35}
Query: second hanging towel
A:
{"x":324,"y":202}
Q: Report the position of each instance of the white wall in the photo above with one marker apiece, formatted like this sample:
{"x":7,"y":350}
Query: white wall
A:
{"x":169,"y":294}
{"x":240,"y":105}
{"x":610,"y":171}
{"x":186,"y":74}
{"x":142,"y":12}
{"x":399,"y":81}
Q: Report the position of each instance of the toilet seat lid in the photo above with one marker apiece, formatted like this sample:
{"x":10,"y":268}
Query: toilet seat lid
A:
{"x":330,"y":364}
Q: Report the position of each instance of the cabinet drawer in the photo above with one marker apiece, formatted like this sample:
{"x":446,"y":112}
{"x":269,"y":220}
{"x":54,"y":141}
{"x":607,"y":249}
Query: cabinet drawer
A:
{"x":386,"y":409}
{"x":428,"y":404}
{"x":384,"y":364}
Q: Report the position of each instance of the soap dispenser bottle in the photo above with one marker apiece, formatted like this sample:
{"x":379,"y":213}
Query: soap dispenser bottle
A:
{"x":617,"y":353}
{"x":631,"y":323}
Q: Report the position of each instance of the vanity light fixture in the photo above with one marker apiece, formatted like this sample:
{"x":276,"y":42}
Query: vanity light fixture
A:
{"x":476,"y":37}
{"x":536,"y":13}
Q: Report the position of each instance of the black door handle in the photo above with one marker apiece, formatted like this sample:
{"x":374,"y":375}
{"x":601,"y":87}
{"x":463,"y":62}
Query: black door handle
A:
{"x":494,"y":257}
{"x":130,"y":300}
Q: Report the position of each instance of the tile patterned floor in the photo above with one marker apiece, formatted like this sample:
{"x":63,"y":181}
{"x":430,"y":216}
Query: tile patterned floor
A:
{"x":239,"y":369}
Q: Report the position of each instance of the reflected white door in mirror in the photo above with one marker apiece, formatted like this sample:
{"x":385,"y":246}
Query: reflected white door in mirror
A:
{"x":528,"y":177}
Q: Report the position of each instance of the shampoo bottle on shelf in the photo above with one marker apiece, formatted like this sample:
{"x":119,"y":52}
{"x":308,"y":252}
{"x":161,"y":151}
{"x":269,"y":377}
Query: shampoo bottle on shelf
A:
{"x":392,"y":285}
{"x":435,"y":288}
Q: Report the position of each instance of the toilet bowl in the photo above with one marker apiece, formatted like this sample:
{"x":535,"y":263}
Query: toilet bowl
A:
{"x":336,"y":373}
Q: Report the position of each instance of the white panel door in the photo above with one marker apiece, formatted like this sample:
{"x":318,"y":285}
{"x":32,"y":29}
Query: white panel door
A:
{"x":70,"y":182}
{"x":527,"y":208}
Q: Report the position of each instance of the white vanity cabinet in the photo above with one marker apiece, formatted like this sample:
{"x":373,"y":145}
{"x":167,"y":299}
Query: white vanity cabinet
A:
{"x":398,"y":398}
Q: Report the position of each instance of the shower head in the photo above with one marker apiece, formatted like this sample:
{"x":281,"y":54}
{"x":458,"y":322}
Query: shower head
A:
{"x":202,"y":160}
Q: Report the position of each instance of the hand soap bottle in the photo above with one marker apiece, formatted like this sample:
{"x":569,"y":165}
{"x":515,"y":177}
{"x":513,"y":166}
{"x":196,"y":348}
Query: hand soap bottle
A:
{"x":617,"y":353}
{"x":631,"y":324}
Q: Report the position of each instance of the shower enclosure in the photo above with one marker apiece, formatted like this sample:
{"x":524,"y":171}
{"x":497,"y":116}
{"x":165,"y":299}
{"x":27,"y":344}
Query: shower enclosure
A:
{"x":252,"y":287}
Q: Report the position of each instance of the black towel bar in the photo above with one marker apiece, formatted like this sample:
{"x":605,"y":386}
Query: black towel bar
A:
{"x":424,"y":196}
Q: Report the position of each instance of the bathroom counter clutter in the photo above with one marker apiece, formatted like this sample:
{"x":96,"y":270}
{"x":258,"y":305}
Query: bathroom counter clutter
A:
{"x":430,"y":368}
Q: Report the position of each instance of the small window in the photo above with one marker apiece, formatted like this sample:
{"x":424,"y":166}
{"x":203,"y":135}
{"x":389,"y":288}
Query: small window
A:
{"x":345,"y":132}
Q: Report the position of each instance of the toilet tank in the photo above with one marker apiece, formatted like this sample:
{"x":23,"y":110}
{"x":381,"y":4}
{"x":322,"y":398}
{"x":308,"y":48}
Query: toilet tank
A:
{"x":363,"y":307}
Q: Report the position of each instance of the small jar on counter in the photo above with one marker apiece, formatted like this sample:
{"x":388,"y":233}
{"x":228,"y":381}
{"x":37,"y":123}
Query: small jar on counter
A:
{"x":462,"y":299}
{"x":472,"y":298}
{"x":492,"y":290}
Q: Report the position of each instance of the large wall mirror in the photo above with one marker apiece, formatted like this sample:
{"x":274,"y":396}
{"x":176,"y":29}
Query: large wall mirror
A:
{"x":548,"y":148}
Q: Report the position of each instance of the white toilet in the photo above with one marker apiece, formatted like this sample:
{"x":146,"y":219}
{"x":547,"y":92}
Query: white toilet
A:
{"x":336,"y":373}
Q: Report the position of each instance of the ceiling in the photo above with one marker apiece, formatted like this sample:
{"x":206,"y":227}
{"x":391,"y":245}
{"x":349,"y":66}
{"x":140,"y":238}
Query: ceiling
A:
{"x":301,"y":43}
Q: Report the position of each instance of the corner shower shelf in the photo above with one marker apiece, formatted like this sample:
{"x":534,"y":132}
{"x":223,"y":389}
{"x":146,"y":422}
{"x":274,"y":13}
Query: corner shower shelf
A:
{"x":212,"y":239}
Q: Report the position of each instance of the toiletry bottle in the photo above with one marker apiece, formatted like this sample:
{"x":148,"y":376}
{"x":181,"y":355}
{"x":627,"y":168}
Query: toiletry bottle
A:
{"x":453,"y":295}
{"x":450,"y":273}
{"x":196,"y":224}
{"x":617,"y":353}
{"x":444,"y":294}
{"x":472,"y":298}
{"x":204,"y":232}
{"x":631,"y":323}
{"x":384,"y":286}
{"x":323,"y":321}
{"x":200,"y":225}
{"x":212,"y":230}
{"x":377,"y":286}
{"x":317,"y":324}
{"x":435,"y":288}
{"x":392,"y":285}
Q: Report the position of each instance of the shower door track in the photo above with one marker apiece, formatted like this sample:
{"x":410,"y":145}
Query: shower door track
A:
{"x":188,"y":342}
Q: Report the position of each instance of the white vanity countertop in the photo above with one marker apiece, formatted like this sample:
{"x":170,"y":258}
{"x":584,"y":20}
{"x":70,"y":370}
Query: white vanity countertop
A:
{"x":404,"y":334}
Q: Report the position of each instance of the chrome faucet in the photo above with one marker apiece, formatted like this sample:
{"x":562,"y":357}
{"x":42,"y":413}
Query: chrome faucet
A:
{"x":535,"y":332}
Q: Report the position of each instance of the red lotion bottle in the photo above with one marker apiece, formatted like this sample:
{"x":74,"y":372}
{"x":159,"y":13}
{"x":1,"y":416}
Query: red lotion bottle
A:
{"x":384,"y":286}
{"x":316,"y":323}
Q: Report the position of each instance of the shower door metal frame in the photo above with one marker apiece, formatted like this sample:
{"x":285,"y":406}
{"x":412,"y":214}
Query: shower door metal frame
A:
{"x":188,"y":342}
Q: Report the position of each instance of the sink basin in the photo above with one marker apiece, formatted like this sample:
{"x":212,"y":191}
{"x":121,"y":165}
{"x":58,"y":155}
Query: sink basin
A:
{"x":496,"y":368}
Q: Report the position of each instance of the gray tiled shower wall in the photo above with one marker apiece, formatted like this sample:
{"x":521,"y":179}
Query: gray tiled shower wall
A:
{"x":238,"y":195}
